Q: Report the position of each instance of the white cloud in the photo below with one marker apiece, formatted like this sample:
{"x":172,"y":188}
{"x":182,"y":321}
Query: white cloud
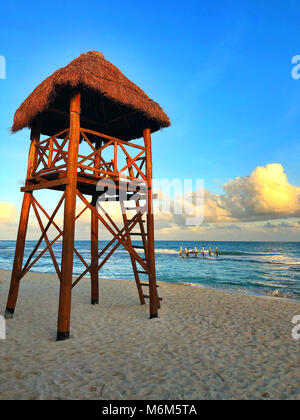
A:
{"x":263,"y":195}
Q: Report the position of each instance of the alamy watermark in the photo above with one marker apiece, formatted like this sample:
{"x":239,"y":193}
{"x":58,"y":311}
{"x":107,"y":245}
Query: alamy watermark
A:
{"x":296,"y":68}
{"x":296,"y":329}
{"x":2,"y":67}
{"x":182,"y":198}
{"x":2,"y":328}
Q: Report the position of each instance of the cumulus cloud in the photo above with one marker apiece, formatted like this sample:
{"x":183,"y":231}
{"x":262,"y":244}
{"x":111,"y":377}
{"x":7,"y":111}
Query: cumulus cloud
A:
{"x":263,"y":195}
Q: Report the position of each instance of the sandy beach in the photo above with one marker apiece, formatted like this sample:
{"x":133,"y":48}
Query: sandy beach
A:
{"x":205,"y":345}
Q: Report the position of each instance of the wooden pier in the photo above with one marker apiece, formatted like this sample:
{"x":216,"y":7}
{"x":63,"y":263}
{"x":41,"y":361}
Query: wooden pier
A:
{"x":185,"y":252}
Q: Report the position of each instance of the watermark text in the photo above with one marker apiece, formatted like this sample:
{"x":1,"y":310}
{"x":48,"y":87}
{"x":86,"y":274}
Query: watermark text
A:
{"x":296,"y":329}
{"x":2,"y":328}
{"x":296,"y":68}
{"x":2,"y":67}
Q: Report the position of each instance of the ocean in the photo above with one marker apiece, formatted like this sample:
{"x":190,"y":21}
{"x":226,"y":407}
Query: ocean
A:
{"x":258,"y":268}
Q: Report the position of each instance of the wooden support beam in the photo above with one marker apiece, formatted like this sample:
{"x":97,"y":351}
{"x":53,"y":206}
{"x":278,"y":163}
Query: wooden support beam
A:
{"x":65,"y":113}
{"x":23,"y":224}
{"x":94,"y":122}
{"x":19,"y":254}
{"x":94,"y":258}
{"x":45,"y":184}
{"x":154,"y":302}
{"x":115,"y":157}
{"x":65,"y":296}
{"x":121,"y":117}
{"x":95,"y":239}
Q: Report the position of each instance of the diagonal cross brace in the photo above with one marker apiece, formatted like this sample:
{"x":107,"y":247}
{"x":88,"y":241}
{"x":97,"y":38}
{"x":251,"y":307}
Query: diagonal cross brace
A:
{"x":24,"y":270}
{"x":115,"y":234}
{"x":47,"y":240}
{"x":131,"y":224}
{"x":61,"y":232}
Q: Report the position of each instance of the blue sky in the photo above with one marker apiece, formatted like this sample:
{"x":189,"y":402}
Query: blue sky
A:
{"x":221,"y":70}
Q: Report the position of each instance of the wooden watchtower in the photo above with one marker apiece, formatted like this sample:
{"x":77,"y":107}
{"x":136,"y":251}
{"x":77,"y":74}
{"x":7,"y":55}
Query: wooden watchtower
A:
{"x":89,"y":102}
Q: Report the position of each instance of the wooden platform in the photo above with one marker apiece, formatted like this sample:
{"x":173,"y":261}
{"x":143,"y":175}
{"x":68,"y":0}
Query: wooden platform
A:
{"x":88,"y":185}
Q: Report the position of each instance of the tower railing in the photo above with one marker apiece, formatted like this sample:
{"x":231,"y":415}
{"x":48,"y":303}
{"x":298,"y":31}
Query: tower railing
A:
{"x":52,"y":156}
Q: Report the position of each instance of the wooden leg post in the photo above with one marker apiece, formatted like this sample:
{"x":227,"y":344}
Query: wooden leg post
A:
{"x":65,"y":295}
{"x":95,"y":238}
{"x":94,"y":258}
{"x":23,"y":224}
{"x":19,"y":254}
{"x":154,"y":302}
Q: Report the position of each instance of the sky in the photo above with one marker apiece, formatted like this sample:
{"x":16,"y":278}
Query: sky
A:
{"x":222,"y":72}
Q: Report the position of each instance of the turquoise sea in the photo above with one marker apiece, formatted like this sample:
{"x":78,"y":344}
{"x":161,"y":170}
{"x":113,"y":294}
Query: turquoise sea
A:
{"x":243,"y":267}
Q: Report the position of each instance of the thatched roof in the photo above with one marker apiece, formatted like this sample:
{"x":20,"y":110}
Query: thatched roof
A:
{"x":107,"y":95}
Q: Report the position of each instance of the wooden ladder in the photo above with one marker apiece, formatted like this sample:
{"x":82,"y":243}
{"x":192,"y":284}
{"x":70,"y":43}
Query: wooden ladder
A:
{"x":142,"y":234}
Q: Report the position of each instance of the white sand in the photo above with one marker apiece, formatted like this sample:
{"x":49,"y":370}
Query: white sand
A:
{"x":205,"y":345}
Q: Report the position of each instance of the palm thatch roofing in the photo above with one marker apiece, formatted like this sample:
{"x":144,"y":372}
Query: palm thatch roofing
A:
{"x":110,"y":102}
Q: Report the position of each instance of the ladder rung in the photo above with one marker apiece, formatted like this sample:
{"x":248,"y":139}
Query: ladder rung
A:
{"x":131,"y":208}
{"x":138,"y":246}
{"x":147,"y":284}
{"x":148,"y":297}
{"x":137,"y":234}
{"x":142,"y":272}
{"x":130,"y":220}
